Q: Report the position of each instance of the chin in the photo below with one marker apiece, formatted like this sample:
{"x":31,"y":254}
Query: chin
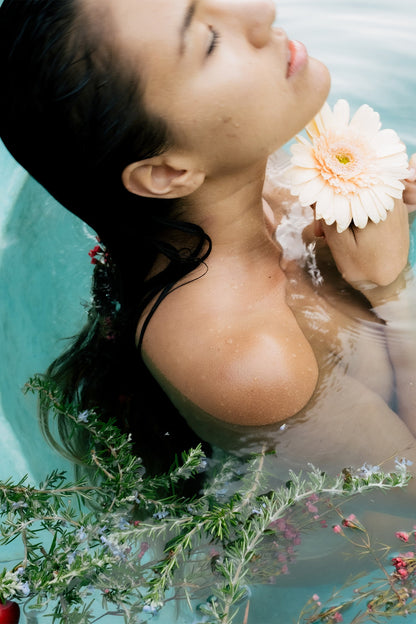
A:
{"x":320,"y":82}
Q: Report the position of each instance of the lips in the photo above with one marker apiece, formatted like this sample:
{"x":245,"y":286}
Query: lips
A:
{"x":297,"y":57}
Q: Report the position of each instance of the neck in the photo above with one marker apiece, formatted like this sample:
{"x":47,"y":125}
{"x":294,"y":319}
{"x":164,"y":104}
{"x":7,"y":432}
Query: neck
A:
{"x":230,"y":210}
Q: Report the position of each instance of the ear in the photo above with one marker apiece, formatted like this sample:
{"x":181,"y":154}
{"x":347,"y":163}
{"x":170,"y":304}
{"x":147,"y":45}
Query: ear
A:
{"x":158,"y":177}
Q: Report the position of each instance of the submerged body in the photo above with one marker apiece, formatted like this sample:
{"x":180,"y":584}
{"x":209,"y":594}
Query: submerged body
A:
{"x":341,"y":409}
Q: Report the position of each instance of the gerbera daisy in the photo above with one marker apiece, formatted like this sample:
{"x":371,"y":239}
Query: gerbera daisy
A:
{"x":350,"y":170}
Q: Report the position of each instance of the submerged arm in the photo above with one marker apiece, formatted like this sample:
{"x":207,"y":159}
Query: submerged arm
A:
{"x":396,"y":305}
{"x":374,"y":260}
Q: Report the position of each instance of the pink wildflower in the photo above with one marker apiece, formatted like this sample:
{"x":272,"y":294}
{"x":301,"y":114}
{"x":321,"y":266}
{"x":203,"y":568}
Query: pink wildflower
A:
{"x":338,"y":617}
{"x":350,"y":522}
{"x":279,"y":524}
{"x":315,"y":597}
{"x":402,"y":535}
{"x":337,"y":529}
{"x":144,"y":547}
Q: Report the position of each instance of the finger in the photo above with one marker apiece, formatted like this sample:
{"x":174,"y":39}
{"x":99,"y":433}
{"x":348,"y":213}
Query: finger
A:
{"x":412,"y":169}
{"x":409,"y":193}
{"x":318,"y":229}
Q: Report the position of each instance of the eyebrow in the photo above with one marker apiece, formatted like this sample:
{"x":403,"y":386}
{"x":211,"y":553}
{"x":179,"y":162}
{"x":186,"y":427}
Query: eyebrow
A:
{"x":189,"y":15}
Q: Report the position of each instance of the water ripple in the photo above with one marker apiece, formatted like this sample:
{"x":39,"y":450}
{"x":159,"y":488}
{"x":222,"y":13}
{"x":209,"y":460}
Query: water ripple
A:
{"x":369,"y":47}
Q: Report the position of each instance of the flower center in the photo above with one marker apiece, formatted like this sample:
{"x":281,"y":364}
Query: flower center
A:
{"x":343,"y":158}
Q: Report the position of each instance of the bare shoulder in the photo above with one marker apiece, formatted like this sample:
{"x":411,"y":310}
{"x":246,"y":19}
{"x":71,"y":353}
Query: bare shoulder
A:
{"x":240,"y":363}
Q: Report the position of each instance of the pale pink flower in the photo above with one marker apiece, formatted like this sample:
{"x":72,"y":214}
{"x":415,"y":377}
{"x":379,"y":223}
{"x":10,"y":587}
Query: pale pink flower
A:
{"x":350,"y":169}
{"x":311,"y":507}
{"x":402,"y":535}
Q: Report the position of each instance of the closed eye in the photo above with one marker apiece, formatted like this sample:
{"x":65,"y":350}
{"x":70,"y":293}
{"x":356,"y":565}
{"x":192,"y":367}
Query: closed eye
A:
{"x":215,"y":37}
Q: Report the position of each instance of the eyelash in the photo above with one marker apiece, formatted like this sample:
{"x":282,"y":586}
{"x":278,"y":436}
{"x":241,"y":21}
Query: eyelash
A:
{"x":214,"y":41}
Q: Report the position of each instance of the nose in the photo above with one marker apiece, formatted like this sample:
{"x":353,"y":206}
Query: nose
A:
{"x":255,"y":16}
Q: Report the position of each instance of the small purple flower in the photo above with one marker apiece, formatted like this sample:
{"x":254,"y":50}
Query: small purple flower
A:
{"x":19,"y":505}
{"x":83,"y":416}
{"x":24,"y":588}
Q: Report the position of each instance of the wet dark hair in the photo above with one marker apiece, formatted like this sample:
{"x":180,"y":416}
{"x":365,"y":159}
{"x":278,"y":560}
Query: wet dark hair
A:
{"x":72,"y":114}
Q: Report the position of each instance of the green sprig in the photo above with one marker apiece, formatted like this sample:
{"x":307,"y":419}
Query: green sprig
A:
{"x":130,"y":540}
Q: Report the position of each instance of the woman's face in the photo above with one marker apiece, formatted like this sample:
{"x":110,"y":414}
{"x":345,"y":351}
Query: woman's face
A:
{"x":230,"y":86}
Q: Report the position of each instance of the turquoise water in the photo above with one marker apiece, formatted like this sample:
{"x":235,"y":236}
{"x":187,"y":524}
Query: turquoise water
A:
{"x":369,"y":47}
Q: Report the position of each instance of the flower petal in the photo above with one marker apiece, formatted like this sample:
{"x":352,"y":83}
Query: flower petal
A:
{"x":366,"y":120}
{"x":387,"y":142}
{"x":317,"y":126}
{"x":342,"y":212}
{"x":358,"y":211}
{"x":300,"y":175}
{"x":381,"y":210}
{"x":310,"y":190}
{"x":396,"y":186}
{"x":324,"y":208}
{"x":341,"y":113}
{"x":302,"y":156}
{"x":384,"y":199}
{"x":304,"y":160}
{"x":370,"y":206}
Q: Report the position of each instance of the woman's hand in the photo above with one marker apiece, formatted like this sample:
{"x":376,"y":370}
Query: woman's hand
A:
{"x":409,"y":194}
{"x":374,"y":255}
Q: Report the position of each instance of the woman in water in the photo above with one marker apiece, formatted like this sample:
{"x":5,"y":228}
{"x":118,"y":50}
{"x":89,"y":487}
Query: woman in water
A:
{"x":153,"y":121}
